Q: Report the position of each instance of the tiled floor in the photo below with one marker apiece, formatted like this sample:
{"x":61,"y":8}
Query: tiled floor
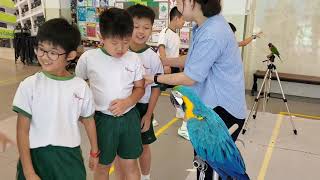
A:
{"x":267,"y":144}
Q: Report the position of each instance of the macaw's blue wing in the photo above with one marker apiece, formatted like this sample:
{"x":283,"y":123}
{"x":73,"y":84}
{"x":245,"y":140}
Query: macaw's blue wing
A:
{"x":213,"y":143}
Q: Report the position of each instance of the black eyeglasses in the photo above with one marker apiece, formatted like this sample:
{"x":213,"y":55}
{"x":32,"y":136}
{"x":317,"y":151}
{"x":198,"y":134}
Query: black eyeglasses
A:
{"x":52,"y":55}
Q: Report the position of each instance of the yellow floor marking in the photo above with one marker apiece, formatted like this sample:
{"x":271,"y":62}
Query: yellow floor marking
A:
{"x":301,"y":116}
{"x":158,"y":133}
{"x":267,"y":157}
{"x":165,"y":94}
{"x":165,"y":127}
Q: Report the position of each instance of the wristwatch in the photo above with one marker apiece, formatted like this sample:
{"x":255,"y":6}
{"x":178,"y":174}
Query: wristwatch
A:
{"x":155,"y":78}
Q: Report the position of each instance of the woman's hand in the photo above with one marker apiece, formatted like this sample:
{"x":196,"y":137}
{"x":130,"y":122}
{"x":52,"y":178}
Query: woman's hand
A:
{"x":149,"y":79}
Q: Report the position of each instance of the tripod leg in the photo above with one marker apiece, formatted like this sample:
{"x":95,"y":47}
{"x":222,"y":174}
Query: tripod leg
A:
{"x":265,"y":95}
{"x":265,"y":92}
{"x":256,"y":110}
{"x":268,"y":89}
{"x":255,"y":102}
{"x":286,"y":103}
{"x":264,"y":98}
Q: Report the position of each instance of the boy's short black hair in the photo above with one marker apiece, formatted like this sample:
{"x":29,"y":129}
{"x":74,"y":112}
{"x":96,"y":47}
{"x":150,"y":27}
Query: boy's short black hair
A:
{"x":61,"y":33}
{"x":141,"y":11}
{"x":234,"y":29}
{"x":115,"y":22}
{"x":210,"y":7}
{"x":174,"y":12}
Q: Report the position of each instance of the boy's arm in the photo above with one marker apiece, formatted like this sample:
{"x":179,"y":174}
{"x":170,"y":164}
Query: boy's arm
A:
{"x":162,"y":51}
{"x":118,"y":106}
{"x":245,"y":42}
{"x":249,"y":39}
{"x":146,"y":119}
{"x":137,"y":93}
{"x":23,"y":127}
{"x":162,"y":43}
{"x":90,"y":127}
{"x":86,"y":117}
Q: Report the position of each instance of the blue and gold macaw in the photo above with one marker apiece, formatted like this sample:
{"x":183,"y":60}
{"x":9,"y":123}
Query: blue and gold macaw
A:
{"x":209,"y":135}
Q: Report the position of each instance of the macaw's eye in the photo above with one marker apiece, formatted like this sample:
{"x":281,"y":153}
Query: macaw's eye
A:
{"x":178,"y":97}
{"x":177,"y":94}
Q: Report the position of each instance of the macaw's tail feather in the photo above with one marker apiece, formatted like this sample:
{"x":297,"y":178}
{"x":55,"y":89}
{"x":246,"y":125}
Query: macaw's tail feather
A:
{"x":243,"y":177}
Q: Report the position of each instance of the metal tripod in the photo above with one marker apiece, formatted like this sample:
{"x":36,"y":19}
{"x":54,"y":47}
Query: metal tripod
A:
{"x":266,"y":84}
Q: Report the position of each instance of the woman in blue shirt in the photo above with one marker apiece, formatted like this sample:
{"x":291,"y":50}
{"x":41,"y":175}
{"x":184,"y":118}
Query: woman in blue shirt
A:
{"x":213,"y":66}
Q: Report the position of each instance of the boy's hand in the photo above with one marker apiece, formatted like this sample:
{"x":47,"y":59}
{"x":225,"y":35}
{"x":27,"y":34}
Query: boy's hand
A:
{"x":145,"y":122}
{"x":118,"y":106}
{"x":93,"y":163}
{"x":164,"y":61}
{"x":32,"y":176}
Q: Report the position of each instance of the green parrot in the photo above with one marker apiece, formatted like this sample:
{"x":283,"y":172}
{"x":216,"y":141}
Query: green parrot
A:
{"x":274,"y":50}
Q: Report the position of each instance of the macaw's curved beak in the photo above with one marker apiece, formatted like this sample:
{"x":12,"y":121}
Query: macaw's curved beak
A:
{"x":177,"y":100}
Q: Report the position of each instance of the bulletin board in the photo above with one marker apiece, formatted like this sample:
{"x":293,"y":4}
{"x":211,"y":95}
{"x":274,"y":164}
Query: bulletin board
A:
{"x":88,"y":15}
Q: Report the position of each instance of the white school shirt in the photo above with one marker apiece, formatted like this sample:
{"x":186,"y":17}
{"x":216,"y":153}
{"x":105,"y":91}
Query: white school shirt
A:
{"x":152,"y":65}
{"x":110,"y":78}
{"x":54,"y":105}
{"x":171,"y":41}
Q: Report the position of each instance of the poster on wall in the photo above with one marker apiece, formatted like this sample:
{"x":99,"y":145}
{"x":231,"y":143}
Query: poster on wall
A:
{"x":81,"y":12}
{"x":98,"y":32}
{"x":158,"y":25}
{"x":91,"y":30}
{"x":119,"y":5}
{"x":185,"y":35}
{"x":91,"y":14}
{"x":81,"y":3}
{"x":154,"y":37}
{"x":163,"y":10}
{"x":82,"y":29}
{"x":172,"y":3}
{"x":111,"y":3}
{"x":96,"y":3}
{"x":89,"y":10}
{"x":89,"y":2}
{"x":104,"y":3}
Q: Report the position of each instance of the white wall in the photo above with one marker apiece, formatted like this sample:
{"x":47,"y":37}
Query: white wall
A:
{"x":58,"y":8}
{"x":236,"y":12}
{"x":294,"y":27}
{"x":234,"y":7}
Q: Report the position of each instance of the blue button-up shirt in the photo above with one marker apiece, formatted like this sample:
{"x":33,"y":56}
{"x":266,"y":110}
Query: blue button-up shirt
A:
{"x":214,"y":62}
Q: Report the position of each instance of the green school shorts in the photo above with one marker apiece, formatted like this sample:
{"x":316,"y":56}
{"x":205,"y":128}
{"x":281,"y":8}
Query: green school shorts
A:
{"x":147,"y":137}
{"x":118,"y":136}
{"x":56,"y":163}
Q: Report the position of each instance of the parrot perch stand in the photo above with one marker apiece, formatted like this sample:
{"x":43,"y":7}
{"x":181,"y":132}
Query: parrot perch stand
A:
{"x":201,"y":164}
{"x":266,"y":85}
